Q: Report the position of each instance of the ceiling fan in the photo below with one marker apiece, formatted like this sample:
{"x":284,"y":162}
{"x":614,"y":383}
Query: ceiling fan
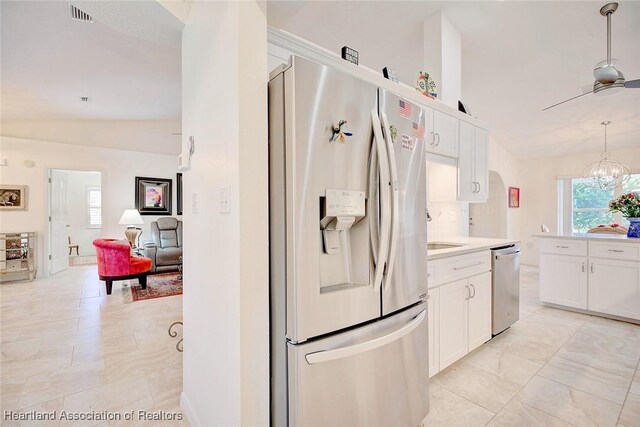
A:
{"x":606,"y":74}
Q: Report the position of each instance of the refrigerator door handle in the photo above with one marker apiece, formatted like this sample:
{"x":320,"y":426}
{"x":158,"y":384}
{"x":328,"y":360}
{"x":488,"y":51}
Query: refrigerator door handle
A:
{"x":383,"y":244}
{"x":341,"y":353}
{"x":395,"y":210}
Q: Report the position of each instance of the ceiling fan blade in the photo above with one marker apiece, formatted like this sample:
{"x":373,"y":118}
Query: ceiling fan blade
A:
{"x":567,"y":100}
{"x":635,"y":84}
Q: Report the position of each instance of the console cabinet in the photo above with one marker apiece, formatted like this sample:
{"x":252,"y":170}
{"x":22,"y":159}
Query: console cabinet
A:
{"x":18,"y":255}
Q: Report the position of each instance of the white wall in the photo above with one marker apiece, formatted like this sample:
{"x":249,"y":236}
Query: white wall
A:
{"x":508,"y":167}
{"x":449,"y":218}
{"x":226,"y":272}
{"x":119,"y":169}
{"x":153,"y":136}
{"x":77,"y":209}
{"x":538,"y":197}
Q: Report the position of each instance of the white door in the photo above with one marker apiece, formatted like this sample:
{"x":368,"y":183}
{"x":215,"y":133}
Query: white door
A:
{"x":433,"y":319}
{"x":614,"y":287}
{"x":479,"y":310}
{"x":453,"y":334}
{"x":58,"y":222}
{"x":466,"y":182}
{"x":446,"y":134}
{"x":481,"y":164}
{"x":563,"y":280}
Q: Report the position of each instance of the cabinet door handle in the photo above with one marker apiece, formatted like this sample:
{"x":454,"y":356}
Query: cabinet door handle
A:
{"x":562,"y":247}
{"x":474,"y":290}
{"x":433,"y":139}
{"x":467,"y":266}
{"x":583,"y":267}
{"x":593,"y":270}
{"x":616,"y":250}
{"x":468,"y":293}
{"x":478,"y":187}
{"x":438,"y":135}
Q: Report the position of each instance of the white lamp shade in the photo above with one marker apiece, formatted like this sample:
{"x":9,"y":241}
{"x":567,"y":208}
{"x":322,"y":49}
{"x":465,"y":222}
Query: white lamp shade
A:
{"x":131,"y":217}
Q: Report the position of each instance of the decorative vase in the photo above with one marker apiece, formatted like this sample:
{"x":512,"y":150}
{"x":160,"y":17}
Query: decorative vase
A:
{"x":634,"y":227}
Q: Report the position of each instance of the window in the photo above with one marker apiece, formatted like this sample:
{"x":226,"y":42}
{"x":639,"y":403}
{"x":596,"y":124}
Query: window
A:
{"x":582,"y":207}
{"x":94,"y":206}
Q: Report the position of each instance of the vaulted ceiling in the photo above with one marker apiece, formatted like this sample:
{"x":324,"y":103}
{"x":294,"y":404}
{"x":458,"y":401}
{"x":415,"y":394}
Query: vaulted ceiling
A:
{"x":517,"y":58}
{"x":127,"y":62}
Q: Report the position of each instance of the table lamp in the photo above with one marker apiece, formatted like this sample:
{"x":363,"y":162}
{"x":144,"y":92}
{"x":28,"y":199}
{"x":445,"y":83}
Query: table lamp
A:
{"x":131,"y":218}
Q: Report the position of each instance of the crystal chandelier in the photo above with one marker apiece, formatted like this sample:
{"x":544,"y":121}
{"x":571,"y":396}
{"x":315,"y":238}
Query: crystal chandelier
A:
{"x":606,"y":173}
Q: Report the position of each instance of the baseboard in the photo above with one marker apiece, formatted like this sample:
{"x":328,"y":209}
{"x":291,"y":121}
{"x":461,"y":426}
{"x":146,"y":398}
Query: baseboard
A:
{"x":188,"y":411}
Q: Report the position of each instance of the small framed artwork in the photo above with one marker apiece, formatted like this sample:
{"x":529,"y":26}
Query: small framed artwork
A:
{"x":13,"y":197}
{"x":179,"y":193}
{"x":153,"y":196}
{"x":514,"y":197}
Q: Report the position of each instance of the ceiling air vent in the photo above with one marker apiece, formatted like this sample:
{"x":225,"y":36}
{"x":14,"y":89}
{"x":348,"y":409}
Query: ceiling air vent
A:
{"x":79,"y":15}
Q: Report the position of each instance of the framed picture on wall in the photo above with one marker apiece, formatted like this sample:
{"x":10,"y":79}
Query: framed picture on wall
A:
{"x":179,"y":193}
{"x":153,"y":196}
{"x":514,"y":197}
{"x":13,"y":197}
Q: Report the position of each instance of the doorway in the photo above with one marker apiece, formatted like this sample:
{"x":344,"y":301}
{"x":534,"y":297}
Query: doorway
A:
{"x":489,"y":219}
{"x":75,"y":217}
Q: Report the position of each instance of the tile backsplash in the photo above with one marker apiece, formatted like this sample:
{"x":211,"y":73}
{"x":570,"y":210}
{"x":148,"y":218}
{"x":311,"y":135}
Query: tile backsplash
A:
{"x":449,"y":219}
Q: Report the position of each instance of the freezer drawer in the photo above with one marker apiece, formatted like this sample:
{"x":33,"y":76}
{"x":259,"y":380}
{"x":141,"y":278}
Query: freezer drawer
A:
{"x":375,"y":375}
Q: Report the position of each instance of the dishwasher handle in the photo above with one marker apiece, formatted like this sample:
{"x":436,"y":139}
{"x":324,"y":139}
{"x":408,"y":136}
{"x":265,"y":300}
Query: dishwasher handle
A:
{"x":508,"y":256}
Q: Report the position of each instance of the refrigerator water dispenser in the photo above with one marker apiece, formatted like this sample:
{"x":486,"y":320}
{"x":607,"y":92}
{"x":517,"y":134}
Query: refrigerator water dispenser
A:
{"x":341,"y":212}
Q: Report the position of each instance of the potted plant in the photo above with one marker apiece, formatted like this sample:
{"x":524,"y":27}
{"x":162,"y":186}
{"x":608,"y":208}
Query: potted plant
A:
{"x":629,"y":206}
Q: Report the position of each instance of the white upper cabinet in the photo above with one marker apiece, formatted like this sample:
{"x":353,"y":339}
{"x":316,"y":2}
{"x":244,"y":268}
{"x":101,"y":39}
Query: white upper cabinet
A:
{"x":466,"y":177}
{"x":443,"y":136}
{"x":473,"y":176}
{"x":481,"y":169}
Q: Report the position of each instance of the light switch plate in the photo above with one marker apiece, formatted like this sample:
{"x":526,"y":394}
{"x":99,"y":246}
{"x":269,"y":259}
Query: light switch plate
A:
{"x":194,"y":203}
{"x":224,"y":200}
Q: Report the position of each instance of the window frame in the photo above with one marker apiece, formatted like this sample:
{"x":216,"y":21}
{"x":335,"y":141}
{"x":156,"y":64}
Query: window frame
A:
{"x":565,"y":203}
{"x":90,"y":189}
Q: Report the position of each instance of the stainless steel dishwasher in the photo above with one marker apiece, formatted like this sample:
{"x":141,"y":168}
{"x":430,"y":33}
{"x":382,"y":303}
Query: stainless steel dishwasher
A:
{"x":505,"y":289}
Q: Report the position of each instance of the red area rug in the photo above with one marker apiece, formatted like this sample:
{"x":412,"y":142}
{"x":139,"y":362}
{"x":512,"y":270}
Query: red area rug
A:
{"x":158,"y":286}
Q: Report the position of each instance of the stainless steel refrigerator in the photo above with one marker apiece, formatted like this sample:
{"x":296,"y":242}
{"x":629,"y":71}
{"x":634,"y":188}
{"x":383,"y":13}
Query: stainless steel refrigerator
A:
{"x":348,"y":283}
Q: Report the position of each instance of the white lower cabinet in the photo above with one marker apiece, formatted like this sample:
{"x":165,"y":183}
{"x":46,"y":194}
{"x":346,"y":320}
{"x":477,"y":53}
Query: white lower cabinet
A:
{"x":462,"y":319}
{"x":479,"y":310}
{"x":454,"y":322}
{"x":433,"y":319}
{"x":614,"y":287}
{"x":600,"y":276}
{"x":563,"y":280}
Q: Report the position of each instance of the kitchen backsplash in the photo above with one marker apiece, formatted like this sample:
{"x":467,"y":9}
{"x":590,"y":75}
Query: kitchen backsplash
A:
{"x":449,"y":219}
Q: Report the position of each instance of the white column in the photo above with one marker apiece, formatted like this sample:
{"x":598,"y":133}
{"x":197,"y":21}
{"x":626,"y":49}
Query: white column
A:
{"x":443,"y":58}
{"x":226,"y":274}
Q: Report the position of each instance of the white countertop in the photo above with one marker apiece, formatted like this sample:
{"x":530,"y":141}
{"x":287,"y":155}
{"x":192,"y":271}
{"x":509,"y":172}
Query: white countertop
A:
{"x":469,"y":244}
{"x":589,"y":236}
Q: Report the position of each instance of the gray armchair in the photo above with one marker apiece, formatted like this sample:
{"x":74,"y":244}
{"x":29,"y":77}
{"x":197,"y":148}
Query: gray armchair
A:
{"x":165,"y":249}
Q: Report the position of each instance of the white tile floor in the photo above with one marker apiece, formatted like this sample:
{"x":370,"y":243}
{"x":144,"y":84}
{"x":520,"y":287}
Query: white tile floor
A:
{"x":552,"y":368}
{"x":66,"y":345}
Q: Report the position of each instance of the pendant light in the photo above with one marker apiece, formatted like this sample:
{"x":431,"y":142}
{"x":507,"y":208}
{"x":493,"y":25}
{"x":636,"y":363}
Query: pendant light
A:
{"x":606,"y":173}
